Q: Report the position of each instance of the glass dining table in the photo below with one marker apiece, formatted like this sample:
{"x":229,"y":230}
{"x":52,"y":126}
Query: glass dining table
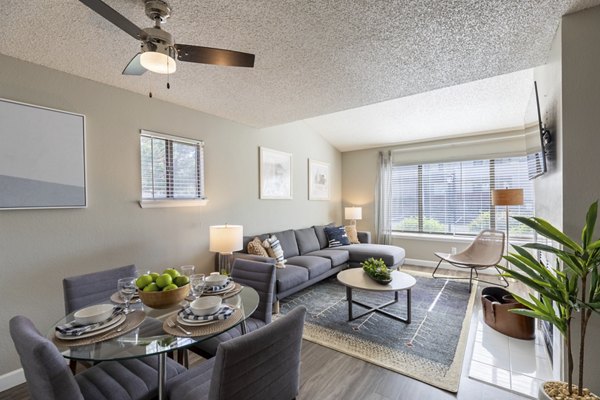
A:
{"x":149,"y":338}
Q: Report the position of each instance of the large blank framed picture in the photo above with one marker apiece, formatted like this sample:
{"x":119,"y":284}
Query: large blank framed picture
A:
{"x":42,"y":157}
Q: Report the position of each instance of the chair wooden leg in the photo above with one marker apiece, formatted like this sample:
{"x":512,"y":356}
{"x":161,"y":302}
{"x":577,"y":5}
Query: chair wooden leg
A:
{"x":276,"y":307}
{"x":73,"y":366}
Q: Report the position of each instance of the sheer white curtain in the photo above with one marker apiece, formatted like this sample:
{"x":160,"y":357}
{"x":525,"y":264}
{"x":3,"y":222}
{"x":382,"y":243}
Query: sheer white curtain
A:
{"x":383,"y":203}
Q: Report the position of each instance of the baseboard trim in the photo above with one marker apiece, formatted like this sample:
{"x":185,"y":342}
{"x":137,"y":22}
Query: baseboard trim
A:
{"x":444,"y":265}
{"x":11,"y":379}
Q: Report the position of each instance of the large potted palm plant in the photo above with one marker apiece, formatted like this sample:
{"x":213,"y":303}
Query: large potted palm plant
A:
{"x":573,"y":287}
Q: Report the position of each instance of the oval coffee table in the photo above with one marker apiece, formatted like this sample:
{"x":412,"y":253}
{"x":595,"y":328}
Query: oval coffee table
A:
{"x":356,"y":278}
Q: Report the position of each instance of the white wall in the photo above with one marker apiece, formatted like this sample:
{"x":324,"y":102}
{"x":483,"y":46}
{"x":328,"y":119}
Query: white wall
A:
{"x":40,"y":247}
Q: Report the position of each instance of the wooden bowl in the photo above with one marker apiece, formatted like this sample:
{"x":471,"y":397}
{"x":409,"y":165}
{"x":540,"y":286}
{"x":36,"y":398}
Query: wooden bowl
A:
{"x":166,"y":299}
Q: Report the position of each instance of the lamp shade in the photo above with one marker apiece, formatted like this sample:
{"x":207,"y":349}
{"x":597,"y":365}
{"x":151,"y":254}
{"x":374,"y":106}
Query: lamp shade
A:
{"x":226,"y":238}
{"x":353,"y":212}
{"x":507,"y":197}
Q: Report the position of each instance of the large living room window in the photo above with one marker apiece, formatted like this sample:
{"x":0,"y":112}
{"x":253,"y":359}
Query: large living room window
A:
{"x":172,"y":167}
{"x":454,"y":197}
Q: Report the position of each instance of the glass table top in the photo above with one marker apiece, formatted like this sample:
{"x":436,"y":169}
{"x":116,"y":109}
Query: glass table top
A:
{"x":149,"y":338}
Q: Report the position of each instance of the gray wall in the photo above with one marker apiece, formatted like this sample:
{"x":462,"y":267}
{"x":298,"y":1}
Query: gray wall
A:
{"x":40,"y":247}
{"x":581,"y":142}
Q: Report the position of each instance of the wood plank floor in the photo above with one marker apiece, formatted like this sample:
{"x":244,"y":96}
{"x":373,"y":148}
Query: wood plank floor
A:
{"x":330,"y":375}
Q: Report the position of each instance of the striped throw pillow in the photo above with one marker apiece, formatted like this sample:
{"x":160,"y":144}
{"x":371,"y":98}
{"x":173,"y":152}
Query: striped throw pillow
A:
{"x":336,"y":236}
{"x":274,"y":249}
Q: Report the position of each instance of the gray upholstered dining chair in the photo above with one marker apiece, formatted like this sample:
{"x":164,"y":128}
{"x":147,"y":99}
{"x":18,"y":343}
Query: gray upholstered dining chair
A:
{"x":49,"y":378}
{"x":84,"y":290}
{"x":264,"y":364}
{"x":259,"y":276}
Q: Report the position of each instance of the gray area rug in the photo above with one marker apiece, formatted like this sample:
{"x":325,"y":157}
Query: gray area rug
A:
{"x":431,"y":348}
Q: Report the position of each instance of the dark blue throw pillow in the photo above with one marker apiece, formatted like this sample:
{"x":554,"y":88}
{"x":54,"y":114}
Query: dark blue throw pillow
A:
{"x":336,"y":236}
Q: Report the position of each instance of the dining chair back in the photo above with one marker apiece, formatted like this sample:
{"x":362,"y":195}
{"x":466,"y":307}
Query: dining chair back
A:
{"x":485,"y":251}
{"x":84,"y":290}
{"x":261,"y":277}
{"x":49,"y":378}
{"x":263,"y":364}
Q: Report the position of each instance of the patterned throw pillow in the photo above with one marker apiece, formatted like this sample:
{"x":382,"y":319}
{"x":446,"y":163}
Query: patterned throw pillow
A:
{"x":256,"y":248}
{"x":352,"y":234}
{"x":336,"y":236}
{"x":274,"y":249}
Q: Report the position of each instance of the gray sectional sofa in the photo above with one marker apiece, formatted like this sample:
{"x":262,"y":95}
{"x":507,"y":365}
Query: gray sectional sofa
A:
{"x":309,"y":259}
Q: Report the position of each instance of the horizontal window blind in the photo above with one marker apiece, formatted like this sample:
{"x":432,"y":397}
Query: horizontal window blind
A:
{"x":171,"y":168}
{"x":455,"y":197}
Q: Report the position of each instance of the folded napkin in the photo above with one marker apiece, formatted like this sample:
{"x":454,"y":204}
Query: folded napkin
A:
{"x":74,"y":328}
{"x":224,"y":312}
{"x":217,"y":288}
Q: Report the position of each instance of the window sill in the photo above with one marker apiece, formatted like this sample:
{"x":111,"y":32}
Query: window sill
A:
{"x":449,"y":238}
{"x":173,"y":203}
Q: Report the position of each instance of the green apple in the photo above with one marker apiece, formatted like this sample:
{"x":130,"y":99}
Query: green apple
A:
{"x":181,"y":280}
{"x":143,"y":281}
{"x":164,"y":280}
{"x":171,"y":271}
{"x":153,"y":287}
{"x":172,"y":286}
{"x":154,"y":275}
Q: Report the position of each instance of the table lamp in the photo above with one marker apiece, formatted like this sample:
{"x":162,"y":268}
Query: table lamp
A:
{"x":353,"y":213}
{"x":225,"y":239}
{"x":507,"y":197}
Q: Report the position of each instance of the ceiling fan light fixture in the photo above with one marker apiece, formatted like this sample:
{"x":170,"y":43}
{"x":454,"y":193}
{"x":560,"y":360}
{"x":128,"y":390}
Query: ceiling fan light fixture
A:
{"x":157,"y":62}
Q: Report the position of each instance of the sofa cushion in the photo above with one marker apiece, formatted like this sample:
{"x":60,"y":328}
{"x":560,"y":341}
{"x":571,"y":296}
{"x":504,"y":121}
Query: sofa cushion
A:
{"x":273,"y":247}
{"x":290,"y":277}
{"x":315,"y":265}
{"x":288,"y":243}
{"x":307,"y":240}
{"x":320,"y":232}
{"x":255,"y":247}
{"x":336,"y":236}
{"x":352,"y":234}
{"x":337,"y":256}
{"x":391,"y":255}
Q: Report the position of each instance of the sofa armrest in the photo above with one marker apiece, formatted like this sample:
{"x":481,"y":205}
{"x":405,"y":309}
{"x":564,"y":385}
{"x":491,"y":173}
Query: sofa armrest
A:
{"x":364,"y":236}
{"x":253,"y":257}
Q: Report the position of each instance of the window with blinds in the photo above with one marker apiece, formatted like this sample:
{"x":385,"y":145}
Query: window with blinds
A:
{"x":172,"y":167}
{"x":455,"y":197}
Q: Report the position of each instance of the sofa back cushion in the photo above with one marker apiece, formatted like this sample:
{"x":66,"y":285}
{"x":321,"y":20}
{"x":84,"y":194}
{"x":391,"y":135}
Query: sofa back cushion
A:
{"x":320,"y":232}
{"x":307,"y":240}
{"x":287,"y":239}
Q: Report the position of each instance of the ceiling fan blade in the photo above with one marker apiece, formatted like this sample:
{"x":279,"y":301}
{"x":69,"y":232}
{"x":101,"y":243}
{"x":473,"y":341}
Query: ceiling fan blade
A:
{"x":209,"y":55}
{"x":113,"y":16}
{"x":135,"y":66}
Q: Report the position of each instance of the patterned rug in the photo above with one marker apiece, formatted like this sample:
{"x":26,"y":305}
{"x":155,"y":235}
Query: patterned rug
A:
{"x":431,"y":348}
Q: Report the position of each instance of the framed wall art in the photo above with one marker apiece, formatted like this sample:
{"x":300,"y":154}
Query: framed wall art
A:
{"x":42,"y":157}
{"x":275,"y":174}
{"x":318,"y":180}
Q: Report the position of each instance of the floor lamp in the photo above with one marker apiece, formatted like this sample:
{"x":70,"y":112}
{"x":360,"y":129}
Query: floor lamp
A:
{"x":507,"y":197}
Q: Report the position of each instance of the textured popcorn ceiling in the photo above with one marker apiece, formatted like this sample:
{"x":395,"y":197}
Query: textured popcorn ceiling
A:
{"x":312,"y":57}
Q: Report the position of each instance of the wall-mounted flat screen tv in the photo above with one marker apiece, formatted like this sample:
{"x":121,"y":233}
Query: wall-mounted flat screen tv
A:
{"x":535,"y":134}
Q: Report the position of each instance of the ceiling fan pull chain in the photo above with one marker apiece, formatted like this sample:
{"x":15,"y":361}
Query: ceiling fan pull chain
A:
{"x":149,"y":86}
{"x":168,"y":75}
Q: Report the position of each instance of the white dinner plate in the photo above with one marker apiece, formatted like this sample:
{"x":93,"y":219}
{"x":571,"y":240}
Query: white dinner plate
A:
{"x":196,"y":323}
{"x":104,"y":328}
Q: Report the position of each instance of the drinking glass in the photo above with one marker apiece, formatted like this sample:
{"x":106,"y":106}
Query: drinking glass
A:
{"x":127,"y":289}
{"x":197,"y":282}
{"x":187,"y":270}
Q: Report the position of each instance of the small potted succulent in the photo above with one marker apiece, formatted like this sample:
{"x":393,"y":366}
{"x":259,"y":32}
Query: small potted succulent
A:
{"x":572,"y":287}
{"x":377,"y":270}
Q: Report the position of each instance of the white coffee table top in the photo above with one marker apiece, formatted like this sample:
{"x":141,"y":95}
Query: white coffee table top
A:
{"x":357,"y":278}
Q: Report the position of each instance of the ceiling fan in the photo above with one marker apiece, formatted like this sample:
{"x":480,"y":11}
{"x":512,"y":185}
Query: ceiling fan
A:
{"x":159,"y":51}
